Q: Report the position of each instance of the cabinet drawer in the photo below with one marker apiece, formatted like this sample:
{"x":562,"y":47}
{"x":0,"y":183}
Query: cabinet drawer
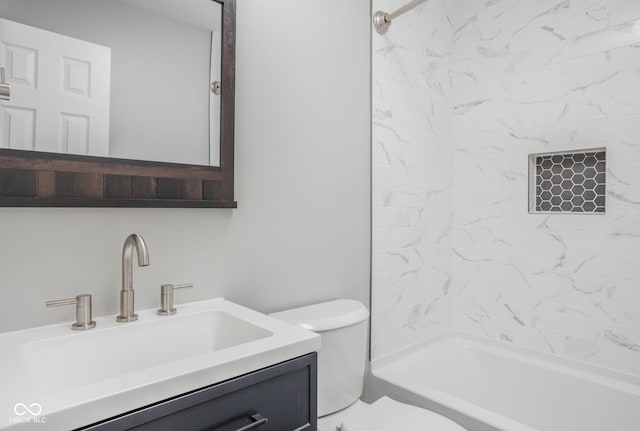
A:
{"x":284,"y":395}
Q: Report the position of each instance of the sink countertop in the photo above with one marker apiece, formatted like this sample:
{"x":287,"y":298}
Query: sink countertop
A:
{"x":46,"y":382}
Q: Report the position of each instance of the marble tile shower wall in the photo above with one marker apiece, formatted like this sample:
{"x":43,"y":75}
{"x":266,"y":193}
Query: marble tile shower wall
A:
{"x":463,"y":91}
{"x":543,"y":76}
{"x":412,"y":153}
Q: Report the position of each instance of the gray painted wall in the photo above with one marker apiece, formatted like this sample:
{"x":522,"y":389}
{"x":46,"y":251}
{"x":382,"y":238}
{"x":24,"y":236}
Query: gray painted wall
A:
{"x":301,"y":232}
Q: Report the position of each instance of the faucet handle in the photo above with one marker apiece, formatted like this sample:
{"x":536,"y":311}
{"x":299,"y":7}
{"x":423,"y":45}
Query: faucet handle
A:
{"x":166,"y":298}
{"x":83,"y":311}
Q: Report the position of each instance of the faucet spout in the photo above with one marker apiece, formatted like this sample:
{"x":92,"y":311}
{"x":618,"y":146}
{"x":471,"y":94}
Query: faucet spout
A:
{"x":133,"y":241}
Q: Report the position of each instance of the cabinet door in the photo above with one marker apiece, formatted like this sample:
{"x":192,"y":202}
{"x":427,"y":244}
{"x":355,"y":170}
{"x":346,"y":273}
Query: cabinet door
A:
{"x":284,"y":395}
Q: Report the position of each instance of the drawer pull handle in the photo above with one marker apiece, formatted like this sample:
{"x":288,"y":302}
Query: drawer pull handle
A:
{"x":259,"y":420}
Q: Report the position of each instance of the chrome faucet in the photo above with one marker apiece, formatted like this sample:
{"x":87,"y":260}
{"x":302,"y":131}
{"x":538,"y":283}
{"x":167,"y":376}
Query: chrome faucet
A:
{"x":126,"y":294}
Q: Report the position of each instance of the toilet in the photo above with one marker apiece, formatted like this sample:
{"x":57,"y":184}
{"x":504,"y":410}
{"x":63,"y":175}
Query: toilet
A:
{"x":342,"y":325}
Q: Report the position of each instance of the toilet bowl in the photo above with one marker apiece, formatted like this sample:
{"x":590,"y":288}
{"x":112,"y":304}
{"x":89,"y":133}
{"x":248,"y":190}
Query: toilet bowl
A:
{"x":386,"y":415}
{"x":342,"y":325}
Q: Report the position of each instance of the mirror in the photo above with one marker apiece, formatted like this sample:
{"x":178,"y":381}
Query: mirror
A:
{"x":107,"y":102}
{"x":126,"y":79}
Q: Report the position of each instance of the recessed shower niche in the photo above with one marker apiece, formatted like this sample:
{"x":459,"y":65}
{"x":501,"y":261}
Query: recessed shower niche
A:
{"x":568,"y":182}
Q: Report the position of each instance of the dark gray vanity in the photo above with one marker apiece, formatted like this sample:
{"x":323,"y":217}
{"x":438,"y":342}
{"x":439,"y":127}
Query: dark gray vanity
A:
{"x":278,"y":398}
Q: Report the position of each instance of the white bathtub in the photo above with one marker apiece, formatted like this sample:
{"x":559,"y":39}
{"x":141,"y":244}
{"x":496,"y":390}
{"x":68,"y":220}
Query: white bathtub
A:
{"x":488,"y":385}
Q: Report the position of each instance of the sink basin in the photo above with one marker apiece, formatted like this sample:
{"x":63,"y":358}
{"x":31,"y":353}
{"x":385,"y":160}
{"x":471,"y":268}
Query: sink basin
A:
{"x":77,"y":378}
{"x":112,"y":351}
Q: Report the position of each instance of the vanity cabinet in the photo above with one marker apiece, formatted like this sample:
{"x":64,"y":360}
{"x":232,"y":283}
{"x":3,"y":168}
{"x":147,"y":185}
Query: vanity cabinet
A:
{"x":278,"y":398}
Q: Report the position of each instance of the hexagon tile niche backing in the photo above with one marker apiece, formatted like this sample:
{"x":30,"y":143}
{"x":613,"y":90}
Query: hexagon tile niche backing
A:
{"x":568,"y":182}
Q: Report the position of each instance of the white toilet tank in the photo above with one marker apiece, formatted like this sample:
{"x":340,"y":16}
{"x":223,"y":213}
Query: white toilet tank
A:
{"x":342,"y":325}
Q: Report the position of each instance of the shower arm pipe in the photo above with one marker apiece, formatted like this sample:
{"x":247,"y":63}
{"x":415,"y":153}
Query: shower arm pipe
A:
{"x":382,"y":20}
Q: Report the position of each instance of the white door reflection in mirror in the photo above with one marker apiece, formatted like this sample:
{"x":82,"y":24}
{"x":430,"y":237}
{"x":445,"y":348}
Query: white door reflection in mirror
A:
{"x":60,"y":92}
{"x":160,"y":105}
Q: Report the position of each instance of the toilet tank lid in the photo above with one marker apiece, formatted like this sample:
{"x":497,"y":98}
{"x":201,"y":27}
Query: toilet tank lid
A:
{"x":326,"y":315}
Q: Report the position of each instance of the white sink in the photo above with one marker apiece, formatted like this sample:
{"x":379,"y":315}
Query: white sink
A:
{"x":75,"y":378}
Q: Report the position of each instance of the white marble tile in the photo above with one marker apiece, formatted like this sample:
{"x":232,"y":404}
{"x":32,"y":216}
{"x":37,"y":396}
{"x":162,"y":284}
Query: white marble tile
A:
{"x":388,"y":218}
{"x":592,"y":133}
{"x":563,"y":29}
{"x":412,"y":177}
{"x":463,"y":92}
{"x":620,"y":196}
{"x":396,"y":259}
{"x":405,"y":147}
{"x":407,"y":237}
{"x":587,"y":67}
{"x":612,"y":356}
{"x":623,"y":34}
{"x":619,"y":11}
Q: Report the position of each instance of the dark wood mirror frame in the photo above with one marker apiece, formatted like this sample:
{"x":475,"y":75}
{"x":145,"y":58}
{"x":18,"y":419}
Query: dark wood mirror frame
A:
{"x":39,"y":179}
